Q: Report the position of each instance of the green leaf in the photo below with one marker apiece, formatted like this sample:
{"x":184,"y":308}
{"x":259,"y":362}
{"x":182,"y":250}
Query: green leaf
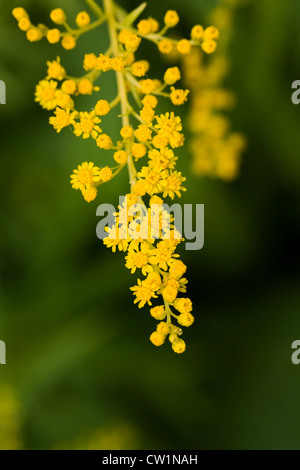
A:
{"x":131,"y":17}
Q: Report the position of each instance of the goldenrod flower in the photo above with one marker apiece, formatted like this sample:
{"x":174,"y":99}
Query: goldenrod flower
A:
{"x":140,"y":68}
{"x":19,"y":13}
{"x":211,"y":33}
{"x":102,"y":107}
{"x":172,"y":185}
{"x":69,"y":87}
{"x":157,"y":339}
{"x":83,"y":19}
{"x":105,"y":174}
{"x":171,"y":18}
{"x":90,"y":62}
{"x":126,"y":132}
{"x":178,"y":346}
{"x":178,"y":97}
{"x":209,"y":46}
{"x":144,"y":27}
{"x":62,"y":118}
{"x":55,"y":70}
{"x":87,"y":126}
{"x":145,"y":233}
{"x":45,"y":94}
{"x":172,"y":75}
{"x":85,"y":87}
{"x":150,"y":101}
{"x":197,"y":32}
{"x":89,"y":193}
{"x":58,"y":16}
{"x":139,"y":259}
{"x":165,"y":46}
{"x":159,"y":312}
{"x":34,"y":34}
{"x":53,"y":36}
{"x":143,"y":294}
{"x":143,"y":133}
{"x":184,"y":46}
{"x":68,"y":42}
{"x":24,"y":23}
{"x":138,"y":151}
{"x":183,"y":305}
{"x":85,"y":176}
{"x":120,"y":157}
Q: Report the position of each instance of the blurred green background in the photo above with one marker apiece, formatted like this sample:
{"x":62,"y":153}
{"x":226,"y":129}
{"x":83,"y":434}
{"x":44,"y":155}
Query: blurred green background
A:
{"x":80,"y":369}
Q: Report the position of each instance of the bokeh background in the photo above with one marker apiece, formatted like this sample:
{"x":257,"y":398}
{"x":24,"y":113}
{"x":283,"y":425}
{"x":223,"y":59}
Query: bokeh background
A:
{"x":80,"y":370}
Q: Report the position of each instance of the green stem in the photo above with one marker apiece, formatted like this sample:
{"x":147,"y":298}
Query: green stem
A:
{"x":94,"y":7}
{"x":109,"y":11}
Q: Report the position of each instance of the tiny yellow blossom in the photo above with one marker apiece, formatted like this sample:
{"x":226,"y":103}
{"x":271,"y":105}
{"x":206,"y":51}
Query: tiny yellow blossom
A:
{"x":157,"y":338}
{"x":138,"y":150}
{"x":68,"y":42}
{"x":24,"y":24}
{"x":69,"y":87}
{"x":144,"y":27}
{"x":197,"y":32}
{"x":105,"y":174}
{"x":211,"y":33}
{"x":185,"y":319}
{"x":143,"y":133}
{"x":178,"y":346}
{"x":147,"y":86}
{"x":104,"y":142}
{"x":89,"y":62}
{"x":184,"y":46}
{"x":171,"y":18}
{"x":19,"y":13}
{"x":159,"y":312}
{"x":53,"y":36}
{"x":126,"y":132}
{"x":58,"y":16}
{"x":102,"y":107}
{"x":172,"y":75}
{"x":85,"y":176}
{"x":120,"y":157}
{"x":183,"y":305}
{"x":140,"y":68}
{"x":62,"y":118}
{"x":89,"y":193}
{"x":83,"y":19}
{"x":178,"y":97}
{"x":165,"y":46}
{"x":150,"y":101}
{"x":88,"y":126}
{"x":85,"y":87}
{"x":34,"y":34}
{"x":55,"y":70}
{"x":209,"y":46}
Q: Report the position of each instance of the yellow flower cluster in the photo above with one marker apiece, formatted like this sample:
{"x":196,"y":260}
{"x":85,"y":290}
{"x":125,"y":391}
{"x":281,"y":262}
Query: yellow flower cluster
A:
{"x":62,"y":32}
{"x":146,"y":135}
{"x":216,"y":148}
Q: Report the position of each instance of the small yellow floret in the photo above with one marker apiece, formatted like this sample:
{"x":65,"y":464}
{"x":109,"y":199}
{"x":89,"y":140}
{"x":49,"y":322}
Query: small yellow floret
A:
{"x":102,"y":107}
{"x":58,"y":16}
{"x":184,"y":46}
{"x":83,"y":19}
{"x":53,"y":36}
{"x":68,"y":42}
{"x":171,"y":18}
